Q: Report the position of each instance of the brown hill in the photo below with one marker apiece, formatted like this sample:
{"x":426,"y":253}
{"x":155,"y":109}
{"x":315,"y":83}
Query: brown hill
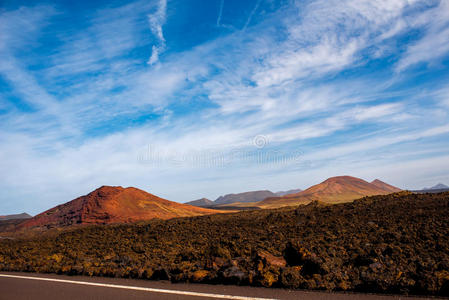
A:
{"x":289,"y":192}
{"x":109,"y":204}
{"x":385,"y":186}
{"x":253,"y":196}
{"x":21,"y":216}
{"x":203,"y":202}
{"x":333,"y":190}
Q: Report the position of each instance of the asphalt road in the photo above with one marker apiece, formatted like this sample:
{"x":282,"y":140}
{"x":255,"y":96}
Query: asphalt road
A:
{"x":18,"y":286}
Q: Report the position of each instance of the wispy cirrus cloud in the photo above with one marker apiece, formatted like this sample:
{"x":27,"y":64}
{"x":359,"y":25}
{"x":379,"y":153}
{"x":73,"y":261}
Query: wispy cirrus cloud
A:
{"x":157,"y":20}
{"x":432,"y":46}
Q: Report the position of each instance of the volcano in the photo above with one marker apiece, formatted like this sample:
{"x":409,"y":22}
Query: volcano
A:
{"x":113,"y":204}
{"x":385,"y":186}
{"x":333,"y":190}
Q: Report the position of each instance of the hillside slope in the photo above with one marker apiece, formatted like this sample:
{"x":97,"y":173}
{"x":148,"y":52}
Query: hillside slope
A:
{"x":438,"y":186}
{"x":21,"y":216}
{"x":203,"y":202}
{"x":109,"y":204}
{"x":244,"y":197}
{"x":385,"y":186}
{"x":333,"y":190}
{"x":289,"y":192}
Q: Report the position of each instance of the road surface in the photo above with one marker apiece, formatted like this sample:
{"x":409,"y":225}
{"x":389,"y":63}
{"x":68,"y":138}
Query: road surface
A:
{"x":20,"y":286}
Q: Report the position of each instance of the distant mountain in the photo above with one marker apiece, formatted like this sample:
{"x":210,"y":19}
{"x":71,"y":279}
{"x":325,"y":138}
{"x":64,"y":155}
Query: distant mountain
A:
{"x":15,"y":217}
{"x":109,"y":204}
{"x":289,"y":192}
{"x":439,"y":186}
{"x":203,"y":202}
{"x":254,"y":196}
{"x":385,"y":186}
{"x":333,"y":190}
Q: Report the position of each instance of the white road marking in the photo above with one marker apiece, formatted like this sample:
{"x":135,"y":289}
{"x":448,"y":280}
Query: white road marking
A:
{"x":136,"y":288}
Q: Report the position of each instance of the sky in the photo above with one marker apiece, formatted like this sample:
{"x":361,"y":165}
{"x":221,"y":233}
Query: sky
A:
{"x":192,"y":99}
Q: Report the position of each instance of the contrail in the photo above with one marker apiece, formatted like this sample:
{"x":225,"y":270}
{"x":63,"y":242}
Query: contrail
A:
{"x":220,"y":12}
{"x":251,"y":15}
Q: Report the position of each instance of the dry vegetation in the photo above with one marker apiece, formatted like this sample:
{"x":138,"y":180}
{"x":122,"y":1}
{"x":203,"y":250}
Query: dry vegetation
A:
{"x":396,"y":243}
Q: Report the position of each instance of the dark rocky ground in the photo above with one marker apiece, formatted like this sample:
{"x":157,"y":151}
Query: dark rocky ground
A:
{"x":9,"y":225}
{"x":389,"y":244}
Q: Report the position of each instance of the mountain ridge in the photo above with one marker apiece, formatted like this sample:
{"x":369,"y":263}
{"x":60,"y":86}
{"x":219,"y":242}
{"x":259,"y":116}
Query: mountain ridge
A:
{"x":203,"y":202}
{"x":337,"y":189}
{"x":438,"y":186}
{"x":288,"y":192}
{"x":21,"y":216}
{"x":252,"y":196}
{"x":387,"y":187}
{"x":245,"y":197}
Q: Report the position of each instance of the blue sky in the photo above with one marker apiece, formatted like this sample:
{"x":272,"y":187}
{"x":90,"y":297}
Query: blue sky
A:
{"x":191,"y":99}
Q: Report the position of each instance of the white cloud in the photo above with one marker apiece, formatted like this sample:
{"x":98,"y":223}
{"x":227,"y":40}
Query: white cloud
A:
{"x":377,"y":142}
{"x":330,"y":36}
{"x":375,"y":112}
{"x":339,"y":121}
{"x":157,"y":20}
{"x":443,"y":96}
{"x":435,"y":42}
{"x":154,"y":55}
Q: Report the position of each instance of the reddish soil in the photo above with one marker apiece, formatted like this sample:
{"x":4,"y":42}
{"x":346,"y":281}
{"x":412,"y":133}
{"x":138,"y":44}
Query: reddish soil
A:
{"x":109,"y":204}
{"x":333,"y":190}
{"x":385,"y":186}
